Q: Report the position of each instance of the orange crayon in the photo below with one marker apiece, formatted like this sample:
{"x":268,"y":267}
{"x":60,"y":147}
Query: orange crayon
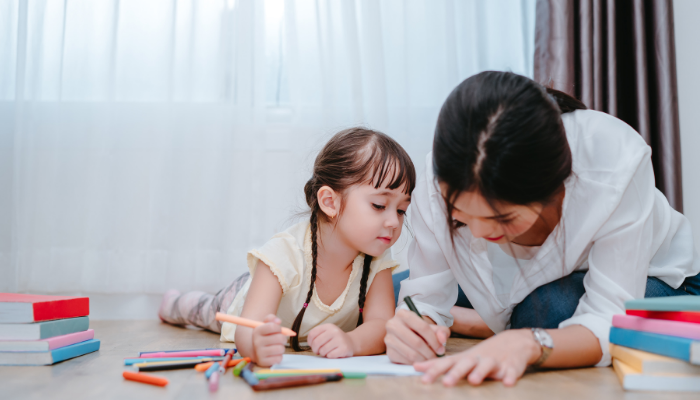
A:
{"x":248,"y":322}
{"x":145,"y":378}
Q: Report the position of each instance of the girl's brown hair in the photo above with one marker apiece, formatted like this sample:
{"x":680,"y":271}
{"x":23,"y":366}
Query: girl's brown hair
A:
{"x":351,"y":157}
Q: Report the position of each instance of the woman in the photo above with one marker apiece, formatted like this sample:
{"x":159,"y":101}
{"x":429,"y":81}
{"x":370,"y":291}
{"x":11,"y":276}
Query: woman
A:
{"x":546,"y":215}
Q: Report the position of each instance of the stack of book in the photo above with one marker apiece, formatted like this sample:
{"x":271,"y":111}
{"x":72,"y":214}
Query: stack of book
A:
{"x":656,"y":344}
{"x":44,"y":330}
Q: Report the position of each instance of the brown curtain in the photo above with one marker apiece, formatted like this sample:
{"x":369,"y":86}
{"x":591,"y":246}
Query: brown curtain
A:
{"x":618,"y":57}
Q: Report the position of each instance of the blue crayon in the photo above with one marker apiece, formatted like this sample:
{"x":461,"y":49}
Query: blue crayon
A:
{"x":214,"y":368}
{"x":248,"y":375}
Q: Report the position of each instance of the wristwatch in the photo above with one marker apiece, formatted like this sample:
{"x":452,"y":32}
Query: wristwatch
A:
{"x":546,"y":342}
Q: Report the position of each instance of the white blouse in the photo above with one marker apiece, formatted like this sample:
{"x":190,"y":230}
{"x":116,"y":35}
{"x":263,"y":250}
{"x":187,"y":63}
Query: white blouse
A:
{"x":615,"y":224}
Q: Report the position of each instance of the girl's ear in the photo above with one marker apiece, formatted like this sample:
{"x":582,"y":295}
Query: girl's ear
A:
{"x":328,"y":201}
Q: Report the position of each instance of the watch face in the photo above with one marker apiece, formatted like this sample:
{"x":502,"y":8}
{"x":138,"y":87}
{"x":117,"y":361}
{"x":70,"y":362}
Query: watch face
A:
{"x":545,"y":339}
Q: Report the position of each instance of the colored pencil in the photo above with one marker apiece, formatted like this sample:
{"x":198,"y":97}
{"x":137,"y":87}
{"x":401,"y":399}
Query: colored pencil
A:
{"x":193,"y":353}
{"x":132,"y":361}
{"x":205,"y":366}
{"x":144,"y":378}
{"x":167,"y":365}
{"x":248,"y":322}
{"x":291,"y":381}
{"x":142,"y":353}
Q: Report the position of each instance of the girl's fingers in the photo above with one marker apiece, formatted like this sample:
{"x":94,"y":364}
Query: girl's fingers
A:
{"x":460,"y":370}
{"x":327,"y":348}
{"x":320,"y":340}
{"x":272,"y":339}
{"x":484,"y":368}
{"x":438,"y":368}
{"x":269,"y":328}
{"x":337,"y":353}
{"x":313,"y":333}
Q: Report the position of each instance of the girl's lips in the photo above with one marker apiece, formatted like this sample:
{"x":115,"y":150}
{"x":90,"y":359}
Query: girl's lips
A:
{"x":386,"y":240}
{"x":495,"y":239}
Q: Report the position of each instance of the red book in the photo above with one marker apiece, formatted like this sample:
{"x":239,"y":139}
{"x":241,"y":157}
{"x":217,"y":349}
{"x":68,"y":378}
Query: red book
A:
{"x":25,"y":308}
{"x":684,"y":316}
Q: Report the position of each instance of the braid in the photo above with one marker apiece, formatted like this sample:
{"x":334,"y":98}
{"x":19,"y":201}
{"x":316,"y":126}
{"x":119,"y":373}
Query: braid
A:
{"x":363,"y":286}
{"x":294,"y":340}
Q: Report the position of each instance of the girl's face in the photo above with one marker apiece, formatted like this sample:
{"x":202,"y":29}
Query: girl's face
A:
{"x":372,"y":218}
{"x":506,"y":225}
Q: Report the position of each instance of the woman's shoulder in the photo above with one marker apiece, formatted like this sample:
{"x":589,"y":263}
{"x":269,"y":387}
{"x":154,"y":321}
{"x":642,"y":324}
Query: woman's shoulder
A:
{"x":604,"y":148}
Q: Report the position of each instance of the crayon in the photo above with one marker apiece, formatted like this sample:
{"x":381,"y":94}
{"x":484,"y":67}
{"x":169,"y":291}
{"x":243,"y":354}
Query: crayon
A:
{"x":205,"y":366}
{"x":132,"y":361}
{"x":214,"y":368}
{"x":291,"y":381}
{"x":192,"y":353}
{"x":214,"y":382}
{"x":248,"y":322}
{"x":237,"y":370}
{"x":144,"y":378}
{"x":146,"y":353}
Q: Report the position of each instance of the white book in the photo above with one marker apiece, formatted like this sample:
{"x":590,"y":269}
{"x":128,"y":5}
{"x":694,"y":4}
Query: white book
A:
{"x":633,"y":380}
{"x":370,"y":365}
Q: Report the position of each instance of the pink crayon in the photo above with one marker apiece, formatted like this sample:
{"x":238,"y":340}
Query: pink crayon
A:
{"x":193,"y":353}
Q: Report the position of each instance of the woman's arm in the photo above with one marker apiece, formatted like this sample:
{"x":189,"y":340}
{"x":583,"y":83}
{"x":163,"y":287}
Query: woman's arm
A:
{"x":264,"y":344}
{"x":506,"y":356}
{"x":330,"y":341}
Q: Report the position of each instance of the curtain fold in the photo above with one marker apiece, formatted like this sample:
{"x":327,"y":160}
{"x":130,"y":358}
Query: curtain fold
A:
{"x":618,"y":57}
{"x":150,"y":145}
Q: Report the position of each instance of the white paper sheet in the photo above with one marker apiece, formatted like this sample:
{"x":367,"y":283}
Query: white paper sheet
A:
{"x":371,"y":365}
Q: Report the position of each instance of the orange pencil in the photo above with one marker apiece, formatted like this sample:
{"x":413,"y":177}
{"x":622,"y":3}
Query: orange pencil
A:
{"x":248,"y":322}
{"x":205,"y":366}
{"x":144,"y":378}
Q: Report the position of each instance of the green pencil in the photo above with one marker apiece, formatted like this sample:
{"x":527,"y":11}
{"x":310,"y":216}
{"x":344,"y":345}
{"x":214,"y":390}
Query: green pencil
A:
{"x":413,"y":308}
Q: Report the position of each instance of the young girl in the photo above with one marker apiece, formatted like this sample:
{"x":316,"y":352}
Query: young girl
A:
{"x":546,"y":215}
{"x":327,"y":278}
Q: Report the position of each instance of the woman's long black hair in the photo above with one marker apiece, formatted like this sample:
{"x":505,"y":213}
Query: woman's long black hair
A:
{"x":501,"y":134}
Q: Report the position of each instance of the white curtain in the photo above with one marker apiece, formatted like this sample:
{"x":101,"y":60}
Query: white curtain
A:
{"x":148,"y":145}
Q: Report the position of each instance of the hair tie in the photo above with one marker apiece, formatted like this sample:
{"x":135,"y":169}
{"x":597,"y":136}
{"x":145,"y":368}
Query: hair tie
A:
{"x":360,"y":310}
{"x":306,"y":305}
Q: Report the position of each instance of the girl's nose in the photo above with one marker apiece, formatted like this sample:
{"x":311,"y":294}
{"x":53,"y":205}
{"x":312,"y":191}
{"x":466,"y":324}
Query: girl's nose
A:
{"x":392,"y":221}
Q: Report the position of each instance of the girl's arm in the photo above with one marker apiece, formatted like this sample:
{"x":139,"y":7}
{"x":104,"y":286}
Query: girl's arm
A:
{"x":368,"y":338}
{"x":468,"y":322}
{"x":330,"y":341}
{"x":506,"y":356}
{"x":264,"y":344}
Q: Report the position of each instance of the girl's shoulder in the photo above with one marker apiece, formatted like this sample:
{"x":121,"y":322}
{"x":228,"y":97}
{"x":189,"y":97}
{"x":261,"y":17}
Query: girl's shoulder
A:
{"x":283,"y":253}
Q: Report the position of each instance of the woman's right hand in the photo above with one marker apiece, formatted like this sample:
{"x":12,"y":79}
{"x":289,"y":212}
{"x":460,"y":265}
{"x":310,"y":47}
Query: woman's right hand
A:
{"x":269,"y":342}
{"x":410,"y":339}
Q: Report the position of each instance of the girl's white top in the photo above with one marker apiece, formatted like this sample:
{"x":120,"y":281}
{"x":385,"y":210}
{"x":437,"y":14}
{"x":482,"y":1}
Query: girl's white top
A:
{"x":288,"y":254}
{"x":616,"y":225}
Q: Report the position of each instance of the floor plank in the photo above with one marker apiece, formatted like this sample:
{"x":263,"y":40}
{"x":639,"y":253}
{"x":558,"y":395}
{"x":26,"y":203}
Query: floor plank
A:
{"x":98,"y":376}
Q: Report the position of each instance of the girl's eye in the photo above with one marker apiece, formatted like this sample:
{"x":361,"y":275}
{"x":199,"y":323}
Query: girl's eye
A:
{"x":401,"y":212}
{"x":505,"y":221}
{"x":378,"y":207}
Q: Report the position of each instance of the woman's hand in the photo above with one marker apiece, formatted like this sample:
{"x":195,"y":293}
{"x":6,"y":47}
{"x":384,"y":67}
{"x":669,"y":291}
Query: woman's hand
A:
{"x":411,"y":339}
{"x":328,"y":340}
{"x":268,"y":342}
{"x":503,"y":357}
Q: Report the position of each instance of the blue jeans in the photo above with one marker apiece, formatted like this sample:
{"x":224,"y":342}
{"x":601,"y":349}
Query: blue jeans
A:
{"x":554,"y":302}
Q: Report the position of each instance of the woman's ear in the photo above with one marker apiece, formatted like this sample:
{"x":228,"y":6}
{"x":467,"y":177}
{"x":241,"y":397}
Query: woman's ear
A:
{"x":328,"y":201}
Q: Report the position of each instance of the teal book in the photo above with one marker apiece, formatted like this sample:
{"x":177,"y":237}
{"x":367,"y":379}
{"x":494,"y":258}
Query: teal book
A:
{"x":670,"y":346}
{"x":49,"y":357}
{"x":670,"y":303}
{"x":43,"y":330}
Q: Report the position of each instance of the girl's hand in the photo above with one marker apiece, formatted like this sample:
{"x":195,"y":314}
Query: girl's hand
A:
{"x":503,"y":357}
{"x":328,"y":340}
{"x":268,"y":342}
{"x":410,"y":339}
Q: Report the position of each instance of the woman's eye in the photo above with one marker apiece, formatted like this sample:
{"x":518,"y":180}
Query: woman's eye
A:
{"x":378,"y":207}
{"x":401,"y":212}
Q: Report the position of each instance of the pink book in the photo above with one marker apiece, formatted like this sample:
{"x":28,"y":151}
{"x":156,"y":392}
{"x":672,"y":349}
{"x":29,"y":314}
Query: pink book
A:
{"x":46,"y":344}
{"x":687,"y":330}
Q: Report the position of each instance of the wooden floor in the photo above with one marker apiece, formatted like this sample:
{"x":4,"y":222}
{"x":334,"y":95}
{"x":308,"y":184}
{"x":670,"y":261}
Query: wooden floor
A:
{"x":98,"y":376}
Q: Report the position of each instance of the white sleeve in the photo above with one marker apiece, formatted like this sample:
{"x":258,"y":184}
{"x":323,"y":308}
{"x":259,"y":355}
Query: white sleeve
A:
{"x":618,"y":260}
{"x":431,"y":284}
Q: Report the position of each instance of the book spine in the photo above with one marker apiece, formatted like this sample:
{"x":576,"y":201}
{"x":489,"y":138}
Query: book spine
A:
{"x":60,"y":309}
{"x":670,"y":346}
{"x":69,"y":339}
{"x":683,"y":316}
{"x":75,"y":350}
{"x":63,"y":327}
{"x":671,"y":328}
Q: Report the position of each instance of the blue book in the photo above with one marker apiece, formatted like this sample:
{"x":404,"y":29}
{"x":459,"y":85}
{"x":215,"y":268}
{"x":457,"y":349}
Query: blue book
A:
{"x":670,"y":346}
{"x":669,"y":303}
{"x":49,"y":357}
{"x":43,"y":330}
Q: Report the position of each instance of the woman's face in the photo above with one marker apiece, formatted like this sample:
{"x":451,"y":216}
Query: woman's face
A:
{"x":504,"y":225}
